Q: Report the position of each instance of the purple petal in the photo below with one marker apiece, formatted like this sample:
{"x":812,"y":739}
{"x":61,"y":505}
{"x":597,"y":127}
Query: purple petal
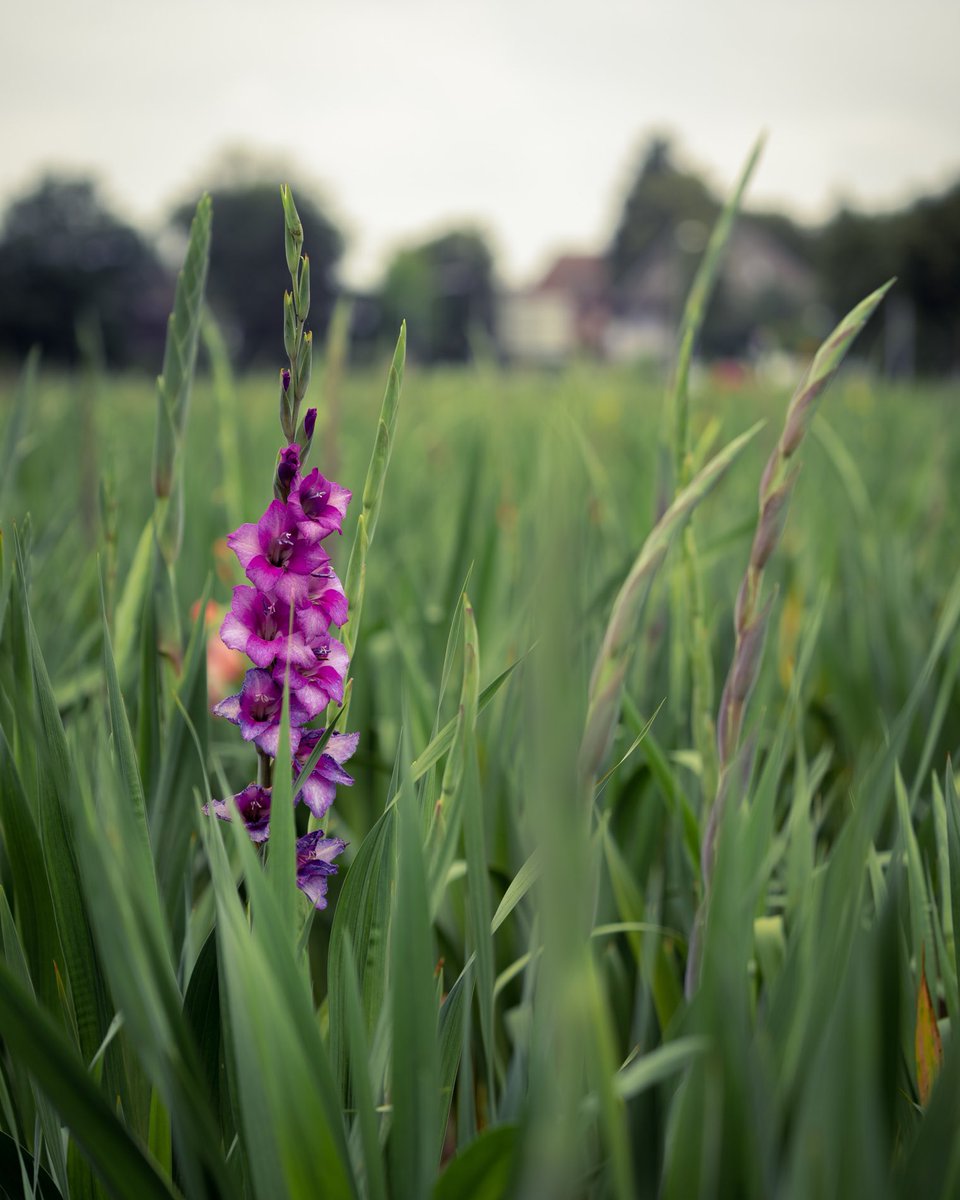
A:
{"x":315,"y":855}
{"x":319,"y":506}
{"x":319,"y":790}
{"x":341,"y":746}
{"x":264,"y":575}
{"x":269,"y":740}
{"x":318,"y":794}
{"x":253,"y":804}
{"x":325,"y":592}
{"x":274,"y":522}
{"x":229,"y":709}
{"x":245,"y":543}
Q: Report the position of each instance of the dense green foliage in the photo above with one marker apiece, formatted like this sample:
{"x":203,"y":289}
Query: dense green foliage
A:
{"x":494,"y":1003}
{"x":805,"y":1079}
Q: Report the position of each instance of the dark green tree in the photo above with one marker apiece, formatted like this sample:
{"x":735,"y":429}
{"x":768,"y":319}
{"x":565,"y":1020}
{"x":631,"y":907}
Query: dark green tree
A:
{"x":66,"y":258}
{"x":248,"y":272}
{"x":444,"y":289}
{"x":660,"y":199}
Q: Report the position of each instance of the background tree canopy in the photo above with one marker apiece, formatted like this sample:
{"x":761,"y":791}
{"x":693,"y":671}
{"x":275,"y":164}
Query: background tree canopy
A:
{"x":444,"y":289}
{"x":65,"y":258}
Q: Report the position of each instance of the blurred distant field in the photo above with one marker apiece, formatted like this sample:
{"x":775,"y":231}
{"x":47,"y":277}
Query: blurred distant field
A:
{"x":871,"y":534}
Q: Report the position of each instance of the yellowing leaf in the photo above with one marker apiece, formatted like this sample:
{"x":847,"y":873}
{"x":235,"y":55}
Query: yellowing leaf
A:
{"x":929,"y":1049}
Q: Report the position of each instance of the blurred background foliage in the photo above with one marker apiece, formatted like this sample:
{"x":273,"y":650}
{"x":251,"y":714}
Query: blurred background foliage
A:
{"x":784,"y":285}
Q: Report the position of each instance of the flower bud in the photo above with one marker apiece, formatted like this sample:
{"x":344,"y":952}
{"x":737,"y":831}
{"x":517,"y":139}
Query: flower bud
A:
{"x":292,"y":231}
{"x":304,"y":366}
{"x":286,"y":405}
{"x":288,"y":464}
{"x":289,"y":326}
{"x":303,"y":289}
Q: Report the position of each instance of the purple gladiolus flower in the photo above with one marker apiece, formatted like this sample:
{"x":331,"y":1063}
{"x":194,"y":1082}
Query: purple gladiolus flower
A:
{"x":325,"y":593}
{"x":258,"y":625}
{"x":314,"y":864}
{"x":256,"y":709}
{"x":320,"y":788}
{"x":253,"y":805}
{"x":276,"y":558}
{"x":320,"y":680}
{"x":309,"y":423}
{"x":319,"y":505}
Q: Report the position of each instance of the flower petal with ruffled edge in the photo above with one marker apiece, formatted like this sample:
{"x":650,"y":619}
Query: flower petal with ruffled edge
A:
{"x":320,"y":789}
{"x":253,"y":805}
{"x":257,"y":625}
{"x":314,"y":864}
{"x":319,"y":506}
{"x":256,"y":709}
{"x":320,"y":681}
{"x":276,"y":558}
{"x":325,"y":593}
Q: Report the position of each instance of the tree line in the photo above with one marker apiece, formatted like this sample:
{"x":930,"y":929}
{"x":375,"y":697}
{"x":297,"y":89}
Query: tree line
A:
{"x":69,"y":263}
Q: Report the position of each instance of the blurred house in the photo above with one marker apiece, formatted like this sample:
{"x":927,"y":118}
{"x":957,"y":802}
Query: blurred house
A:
{"x":566,"y":313}
{"x":766,"y":288}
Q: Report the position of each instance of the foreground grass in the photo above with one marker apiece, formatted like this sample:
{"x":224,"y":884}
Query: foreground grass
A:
{"x":518,"y":962}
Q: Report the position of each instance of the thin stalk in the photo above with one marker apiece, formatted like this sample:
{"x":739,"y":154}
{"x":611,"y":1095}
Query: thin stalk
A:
{"x":696,"y":637}
{"x":750,"y":614}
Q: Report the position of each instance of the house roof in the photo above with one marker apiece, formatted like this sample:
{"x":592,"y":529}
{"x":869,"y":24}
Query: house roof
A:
{"x":580,"y":275}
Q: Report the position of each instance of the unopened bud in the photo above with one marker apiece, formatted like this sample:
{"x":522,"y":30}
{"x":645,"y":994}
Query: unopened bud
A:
{"x":289,"y":326}
{"x":286,"y":405}
{"x":303,"y":289}
{"x":288,"y":464}
{"x":292,"y":231}
{"x":309,"y":423}
{"x":304,"y":366}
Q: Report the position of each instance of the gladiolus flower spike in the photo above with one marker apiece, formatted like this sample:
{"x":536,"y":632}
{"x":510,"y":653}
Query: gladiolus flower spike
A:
{"x":282,"y":622}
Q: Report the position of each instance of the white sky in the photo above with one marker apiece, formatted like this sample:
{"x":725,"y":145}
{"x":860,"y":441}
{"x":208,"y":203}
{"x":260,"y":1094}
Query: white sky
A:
{"x":523,"y":115}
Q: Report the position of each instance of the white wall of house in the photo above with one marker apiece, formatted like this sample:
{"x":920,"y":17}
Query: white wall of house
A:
{"x":536,"y":327}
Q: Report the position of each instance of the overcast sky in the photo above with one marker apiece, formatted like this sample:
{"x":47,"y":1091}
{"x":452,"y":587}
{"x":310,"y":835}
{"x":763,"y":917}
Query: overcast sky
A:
{"x":522,"y":115}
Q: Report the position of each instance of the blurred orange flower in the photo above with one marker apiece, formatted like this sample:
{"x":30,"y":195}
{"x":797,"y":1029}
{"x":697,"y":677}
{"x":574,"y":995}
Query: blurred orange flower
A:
{"x":225,"y":667}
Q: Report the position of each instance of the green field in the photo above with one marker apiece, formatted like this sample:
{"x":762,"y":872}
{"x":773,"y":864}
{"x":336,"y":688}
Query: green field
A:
{"x":499,"y":998}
